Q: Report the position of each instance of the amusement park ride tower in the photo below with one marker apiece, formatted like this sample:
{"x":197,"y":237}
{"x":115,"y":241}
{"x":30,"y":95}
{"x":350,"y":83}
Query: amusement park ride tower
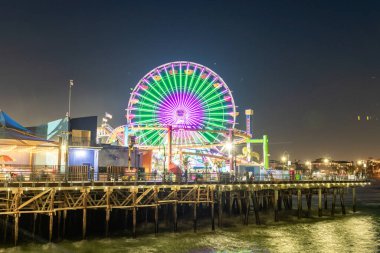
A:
{"x":183,"y":106}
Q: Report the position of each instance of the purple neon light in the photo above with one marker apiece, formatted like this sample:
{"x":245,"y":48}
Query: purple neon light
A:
{"x":181,"y":109}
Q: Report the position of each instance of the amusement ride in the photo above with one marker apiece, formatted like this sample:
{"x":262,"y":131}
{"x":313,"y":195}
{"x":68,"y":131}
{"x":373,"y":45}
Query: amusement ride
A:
{"x":185,"y":109}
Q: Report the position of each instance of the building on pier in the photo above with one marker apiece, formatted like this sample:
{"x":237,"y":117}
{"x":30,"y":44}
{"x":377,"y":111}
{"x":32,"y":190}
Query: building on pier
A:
{"x":21,"y":151}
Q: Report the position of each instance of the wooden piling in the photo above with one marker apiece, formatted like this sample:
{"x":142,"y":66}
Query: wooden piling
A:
{"x":108,"y":215}
{"x":175,"y":215}
{"x":6,"y":220}
{"x":212,"y":210}
{"x":58,"y":225}
{"x":275,"y":205}
{"x":51,"y":216}
{"x":126,"y":219}
{"x":195,"y":217}
{"x":220,"y":208}
{"x":156,"y":210}
{"x":255,"y":197}
{"x":308,"y":202}
{"x":230,"y":202}
{"x":247,"y":206}
{"x":134,"y":221}
{"x":342,"y":201}
{"x":64,"y":223}
{"x":195,"y":197}
{"x":333,"y":202}
{"x":279,"y":201}
{"x":16,"y":226}
{"x":134,"y":212}
{"x":299,"y":203}
{"x":354,"y":199}
{"x":84,"y":218}
{"x":34,"y":226}
{"x":320,"y":202}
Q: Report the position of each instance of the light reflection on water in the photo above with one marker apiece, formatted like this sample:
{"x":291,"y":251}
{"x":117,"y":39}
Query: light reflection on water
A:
{"x":358,"y":232}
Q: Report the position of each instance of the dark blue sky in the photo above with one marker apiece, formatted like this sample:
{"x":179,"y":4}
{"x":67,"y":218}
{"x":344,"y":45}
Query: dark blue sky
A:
{"x":307,"y":68}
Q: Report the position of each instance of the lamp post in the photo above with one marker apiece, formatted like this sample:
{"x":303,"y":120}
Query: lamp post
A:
{"x":230,"y":147}
{"x":362,"y":164}
{"x":308,"y":164}
{"x":71,"y":84}
{"x":285,"y":160}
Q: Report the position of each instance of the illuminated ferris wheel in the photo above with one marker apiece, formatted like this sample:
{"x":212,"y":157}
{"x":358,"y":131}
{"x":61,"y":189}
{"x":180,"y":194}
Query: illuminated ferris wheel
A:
{"x":188,"y":97}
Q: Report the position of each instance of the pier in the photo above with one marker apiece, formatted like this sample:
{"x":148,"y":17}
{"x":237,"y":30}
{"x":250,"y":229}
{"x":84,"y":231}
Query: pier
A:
{"x":30,"y":202}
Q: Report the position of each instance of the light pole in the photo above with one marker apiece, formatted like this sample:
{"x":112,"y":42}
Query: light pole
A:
{"x":66,"y":146}
{"x":71,"y":84}
{"x":308,"y":164}
{"x":362,"y":164}
{"x":230,"y":148}
{"x":285,"y":160}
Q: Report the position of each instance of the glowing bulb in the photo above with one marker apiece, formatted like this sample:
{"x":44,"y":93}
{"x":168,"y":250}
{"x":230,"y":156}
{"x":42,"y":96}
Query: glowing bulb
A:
{"x":228,"y":146}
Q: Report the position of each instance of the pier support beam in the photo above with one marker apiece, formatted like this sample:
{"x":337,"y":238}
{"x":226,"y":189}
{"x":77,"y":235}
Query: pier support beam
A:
{"x":134,"y":221}
{"x":299,"y":203}
{"x":84,"y":218}
{"x":320,"y":202}
{"x":16,"y":226}
{"x":134,"y":210}
{"x":256,"y":206}
{"x":156,"y":210}
{"x":230,"y":202}
{"x":247,"y":206}
{"x":275,"y":205}
{"x":333,"y":202}
{"x":64,"y":223}
{"x":308,"y":202}
{"x":220,"y":208}
{"x":342,"y":201}
{"x":195,"y":217}
{"x":108,"y":209}
{"x":212,"y":211}
{"x":51,"y":216}
{"x":354,"y":199}
{"x":175,"y":215}
{"x":6,"y":220}
{"x":59,"y":224}
{"x":34,"y":226}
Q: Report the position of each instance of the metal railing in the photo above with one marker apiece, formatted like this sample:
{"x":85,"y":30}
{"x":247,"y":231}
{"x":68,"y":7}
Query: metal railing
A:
{"x":141,"y":177}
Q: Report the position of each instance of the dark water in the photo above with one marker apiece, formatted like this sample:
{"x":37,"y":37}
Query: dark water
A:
{"x":359,"y":232}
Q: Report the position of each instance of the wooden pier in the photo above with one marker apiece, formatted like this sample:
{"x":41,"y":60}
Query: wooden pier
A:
{"x":53,"y":200}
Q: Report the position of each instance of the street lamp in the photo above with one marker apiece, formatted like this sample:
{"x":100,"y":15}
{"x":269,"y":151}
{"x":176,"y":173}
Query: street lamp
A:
{"x":308,"y":164}
{"x":285,"y":160}
{"x":71,"y":84}
{"x":363,"y":164}
{"x":229,"y":146}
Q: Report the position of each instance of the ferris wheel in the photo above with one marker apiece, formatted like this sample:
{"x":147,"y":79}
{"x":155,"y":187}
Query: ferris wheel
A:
{"x":185,"y":96}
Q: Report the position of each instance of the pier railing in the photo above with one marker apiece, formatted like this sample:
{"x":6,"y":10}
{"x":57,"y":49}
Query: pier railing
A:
{"x":152,"y":178}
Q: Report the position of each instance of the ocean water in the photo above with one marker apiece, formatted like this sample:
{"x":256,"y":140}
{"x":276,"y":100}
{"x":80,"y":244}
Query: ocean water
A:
{"x":354,"y":232}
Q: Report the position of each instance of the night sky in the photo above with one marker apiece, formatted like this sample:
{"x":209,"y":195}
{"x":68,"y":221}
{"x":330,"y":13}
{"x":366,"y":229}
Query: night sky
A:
{"x":307,"y":68}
